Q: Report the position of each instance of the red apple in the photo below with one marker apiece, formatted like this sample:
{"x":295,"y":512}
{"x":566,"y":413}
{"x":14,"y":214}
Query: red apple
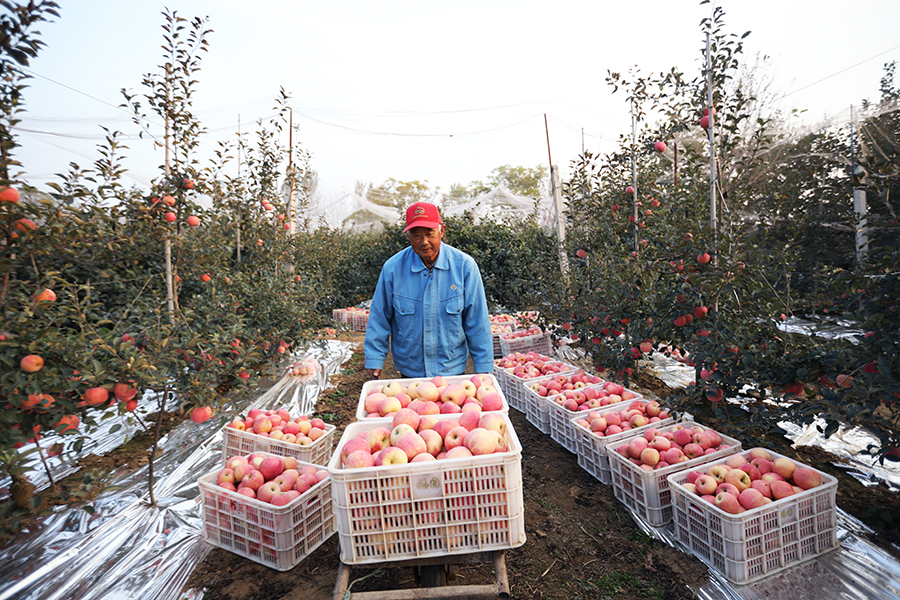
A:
{"x":96,"y":396}
{"x":31,"y":363}
{"x":9,"y":195}
{"x":728,"y":503}
{"x":199,"y":414}
{"x":359,"y":459}
{"x":807,"y":478}
{"x":47,"y":295}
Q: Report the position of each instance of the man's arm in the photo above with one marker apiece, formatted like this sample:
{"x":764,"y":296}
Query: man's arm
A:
{"x":477,"y":323}
{"x":378,"y":327}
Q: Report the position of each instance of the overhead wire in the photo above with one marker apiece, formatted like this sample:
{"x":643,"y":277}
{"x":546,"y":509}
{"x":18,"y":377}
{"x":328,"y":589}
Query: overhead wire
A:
{"x":304,"y":113}
{"x":839,"y":72}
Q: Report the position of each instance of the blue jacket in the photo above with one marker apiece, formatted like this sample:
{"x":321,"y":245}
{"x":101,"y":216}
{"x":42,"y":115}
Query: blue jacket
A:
{"x":432,"y":321}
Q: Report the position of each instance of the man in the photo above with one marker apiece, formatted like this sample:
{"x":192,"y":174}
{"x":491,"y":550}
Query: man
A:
{"x":429,"y":306}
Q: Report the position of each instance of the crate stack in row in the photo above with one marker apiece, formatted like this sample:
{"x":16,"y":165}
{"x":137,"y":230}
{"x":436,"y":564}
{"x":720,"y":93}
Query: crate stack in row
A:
{"x":746,"y":513}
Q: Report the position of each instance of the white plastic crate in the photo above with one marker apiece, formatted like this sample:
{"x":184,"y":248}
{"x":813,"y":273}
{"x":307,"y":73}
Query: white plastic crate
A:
{"x":503,"y":380}
{"x":275,"y":536}
{"x":647,"y":493}
{"x":562,"y":430}
{"x":367,"y":387}
{"x":762,"y":541}
{"x":591,"y":448}
{"x":515,"y":386}
{"x":510,"y":323}
{"x":429,"y":509}
{"x":537,"y":407}
{"x":358,"y":320}
{"x":537,"y":411}
{"x":242,"y":443}
{"x":539,"y":342}
{"x":339,"y":315}
{"x":495,"y":337}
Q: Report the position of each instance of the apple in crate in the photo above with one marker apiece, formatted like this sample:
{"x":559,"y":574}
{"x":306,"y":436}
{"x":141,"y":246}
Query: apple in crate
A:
{"x":271,"y":467}
{"x":287,"y":480}
{"x":284,"y":498}
{"x":352,"y":445}
{"x":807,"y":478}
{"x":470,"y":419}
{"x":481,"y":441}
{"x":226,"y":475}
{"x":455,"y":437}
{"x":266,"y":491}
{"x":412,"y":444}
{"x":492,"y":422}
{"x":400,"y":430}
{"x":442,"y":428}
{"x":378,"y":439}
{"x":359,"y":459}
{"x":407,"y":416}
{"x":491,"y":401}
{"x":252,"y":480}
{"x":391,"y":456}
{"x":428,"y":392}
{"x":729,"y":503}
{"x":434,"y":443}
{"x":304,"y":482}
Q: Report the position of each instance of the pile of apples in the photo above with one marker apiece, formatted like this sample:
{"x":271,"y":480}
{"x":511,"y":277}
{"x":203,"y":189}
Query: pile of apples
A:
{"x":278,"y":425}
{"x":590,"y":397}
{"x":739,"y":484}
{"x":528,"y":365}
{"x":432,"y":397}
{"x":304,"y":368}
{"x":277,"y":480}
{"x":522,"y":333}
{"x":579,"y":381}
{"x":658,"y":449}
{"x":638,"y":414}
{"x":417,"y":438}
{"x":501,"y":327}
{"x":503,"y":318}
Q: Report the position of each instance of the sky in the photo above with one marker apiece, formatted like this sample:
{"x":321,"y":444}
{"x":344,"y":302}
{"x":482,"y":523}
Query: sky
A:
{"x":439,"y":92}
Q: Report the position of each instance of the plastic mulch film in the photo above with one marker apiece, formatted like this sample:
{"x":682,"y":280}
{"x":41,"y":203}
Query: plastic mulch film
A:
{"x":127,"y":548}
{"x":848,"y":442}
{"x":856,"y":570}
{"x":113,"y":431}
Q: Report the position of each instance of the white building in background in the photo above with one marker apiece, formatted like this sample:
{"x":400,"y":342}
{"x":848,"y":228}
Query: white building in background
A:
{"x":346,"y":207}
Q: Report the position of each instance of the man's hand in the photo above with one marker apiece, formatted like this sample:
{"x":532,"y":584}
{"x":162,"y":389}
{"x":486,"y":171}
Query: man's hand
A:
{"x":373,"y":373}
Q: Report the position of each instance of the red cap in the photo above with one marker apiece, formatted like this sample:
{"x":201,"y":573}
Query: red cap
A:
{"x":422,"y":214}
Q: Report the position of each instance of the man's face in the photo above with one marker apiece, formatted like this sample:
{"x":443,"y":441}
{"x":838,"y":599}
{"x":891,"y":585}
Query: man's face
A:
{"x":426,"y":242}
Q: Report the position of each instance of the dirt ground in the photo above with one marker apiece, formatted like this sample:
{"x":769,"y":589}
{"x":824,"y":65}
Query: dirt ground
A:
{"x":581,"y":542}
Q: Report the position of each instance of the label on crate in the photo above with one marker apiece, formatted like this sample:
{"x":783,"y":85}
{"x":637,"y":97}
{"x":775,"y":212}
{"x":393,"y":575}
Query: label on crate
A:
{"x":788,"y":514}
{"x":427,"y":485}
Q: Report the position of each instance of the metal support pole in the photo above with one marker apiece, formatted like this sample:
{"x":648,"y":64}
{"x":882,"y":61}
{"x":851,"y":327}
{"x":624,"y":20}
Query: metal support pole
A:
{"x":634,"y":194}
{"x":713,"y":219}
{"x":556,"y":188}
{"x":170,"y":279}
{"x":859,"y":200}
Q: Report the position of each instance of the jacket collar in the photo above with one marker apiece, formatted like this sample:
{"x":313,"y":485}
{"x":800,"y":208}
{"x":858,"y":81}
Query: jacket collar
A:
{"x":442,"y":262}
